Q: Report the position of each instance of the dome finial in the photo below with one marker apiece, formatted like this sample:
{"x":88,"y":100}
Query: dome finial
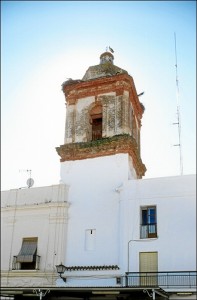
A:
{"x":107,"y":56}
{"x":108,"y":48}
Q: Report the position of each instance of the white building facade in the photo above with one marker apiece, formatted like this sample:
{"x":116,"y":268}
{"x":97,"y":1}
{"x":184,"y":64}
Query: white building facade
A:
{"x":116,"y":235}
{"x":33,"y":227}
{"x":119,"y":225}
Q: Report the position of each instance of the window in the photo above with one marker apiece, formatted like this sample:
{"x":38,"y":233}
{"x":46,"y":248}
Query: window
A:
{"x":96,"y":129}
{"x":96,"y":122}
{"x":90,"y":239}
{"x":27,"y":259}
{"x":148,"y":222}
{"x":118,"y":280}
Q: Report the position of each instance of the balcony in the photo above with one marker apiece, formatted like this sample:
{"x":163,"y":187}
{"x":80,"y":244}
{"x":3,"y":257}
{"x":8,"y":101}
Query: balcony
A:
{"x":165,"y":280}
{"x":34,"y":265}
{"x":148,"y":231}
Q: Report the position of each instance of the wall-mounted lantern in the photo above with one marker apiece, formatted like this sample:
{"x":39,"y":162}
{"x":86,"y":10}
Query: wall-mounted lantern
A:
{"x":60,"y":270}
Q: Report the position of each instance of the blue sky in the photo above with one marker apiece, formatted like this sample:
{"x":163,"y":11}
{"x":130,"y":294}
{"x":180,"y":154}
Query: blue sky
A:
{"x":45,"y":42}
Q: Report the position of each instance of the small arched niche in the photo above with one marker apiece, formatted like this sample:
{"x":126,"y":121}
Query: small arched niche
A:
{"x":96,"y":122}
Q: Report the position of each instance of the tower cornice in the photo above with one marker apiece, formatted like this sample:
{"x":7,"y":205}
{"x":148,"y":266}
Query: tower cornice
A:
{"x":103,"y":147}
{"x":119,"y":83}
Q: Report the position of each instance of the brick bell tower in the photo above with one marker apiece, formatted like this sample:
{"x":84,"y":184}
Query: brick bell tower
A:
{"x":103,"y":116}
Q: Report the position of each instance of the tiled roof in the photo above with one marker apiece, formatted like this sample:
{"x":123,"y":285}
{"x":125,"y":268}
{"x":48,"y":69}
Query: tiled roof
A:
{"x":93,"y":268}
{"x":102,"y":70}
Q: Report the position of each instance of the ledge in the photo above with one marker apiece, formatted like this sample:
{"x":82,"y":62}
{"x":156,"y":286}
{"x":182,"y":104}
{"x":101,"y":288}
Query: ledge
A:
{"x":106,"y":146}
{"x":92,"y":268}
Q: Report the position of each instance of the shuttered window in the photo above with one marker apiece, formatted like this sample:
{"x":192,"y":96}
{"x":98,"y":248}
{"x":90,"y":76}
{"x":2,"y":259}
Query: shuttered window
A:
{"x":28,"y":250}
{"x":96,"y":121}
{"x":148,"y":263}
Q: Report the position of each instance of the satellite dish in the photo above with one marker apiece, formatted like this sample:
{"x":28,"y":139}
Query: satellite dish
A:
{"x":30,"y":182}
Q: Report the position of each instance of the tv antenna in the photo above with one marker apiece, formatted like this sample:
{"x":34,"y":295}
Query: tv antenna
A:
{"x":30,"y":181}
{"x":178,"y":123}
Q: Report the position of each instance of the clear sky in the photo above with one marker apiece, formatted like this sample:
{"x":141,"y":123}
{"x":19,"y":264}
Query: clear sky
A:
{"x":45,"y":42}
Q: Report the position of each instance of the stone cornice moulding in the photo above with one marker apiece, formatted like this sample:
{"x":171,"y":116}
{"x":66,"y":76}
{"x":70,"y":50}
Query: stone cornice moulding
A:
{"x":103,"y":147}
{"x":24,"y":273}
{"x":43,"y":206}
{"x":103,"y":85}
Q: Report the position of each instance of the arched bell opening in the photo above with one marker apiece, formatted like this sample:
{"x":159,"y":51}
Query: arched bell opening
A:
{"x":96,"y":121}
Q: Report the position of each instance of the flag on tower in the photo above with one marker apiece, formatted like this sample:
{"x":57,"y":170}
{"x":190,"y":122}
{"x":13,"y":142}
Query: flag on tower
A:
{"x":112,"y":51}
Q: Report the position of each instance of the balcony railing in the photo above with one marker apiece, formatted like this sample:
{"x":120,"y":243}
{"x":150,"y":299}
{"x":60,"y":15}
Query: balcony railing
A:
{"x":185,"y":279}
{"x":96,"y":134}
{"x":18,"y":266}
{"x":148,"y":231}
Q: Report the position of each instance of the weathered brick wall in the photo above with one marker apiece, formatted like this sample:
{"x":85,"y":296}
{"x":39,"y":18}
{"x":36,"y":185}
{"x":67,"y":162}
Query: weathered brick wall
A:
{"x":78,"y":127}
{"x":114,"y":100}
{"x":117,"y":117}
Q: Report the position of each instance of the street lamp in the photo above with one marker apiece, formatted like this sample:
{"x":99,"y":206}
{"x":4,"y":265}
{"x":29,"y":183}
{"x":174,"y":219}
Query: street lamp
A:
{"x":40,"y":293}
{"x":60,"y":270}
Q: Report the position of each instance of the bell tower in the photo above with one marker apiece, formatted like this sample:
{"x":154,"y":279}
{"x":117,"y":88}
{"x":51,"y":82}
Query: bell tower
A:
{"x":101,"y":153}
{"x":103,"y":116}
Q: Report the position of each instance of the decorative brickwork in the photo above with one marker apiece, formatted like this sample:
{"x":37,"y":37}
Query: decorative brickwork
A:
{"x":92,"y":268}
{"x":103,"y":115}
{"x":103,"y":147}
{"x":100,"y":86}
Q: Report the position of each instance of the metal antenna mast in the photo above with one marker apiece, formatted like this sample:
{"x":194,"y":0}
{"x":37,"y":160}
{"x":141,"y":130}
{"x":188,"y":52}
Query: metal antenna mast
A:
{"x":178,"y":110}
